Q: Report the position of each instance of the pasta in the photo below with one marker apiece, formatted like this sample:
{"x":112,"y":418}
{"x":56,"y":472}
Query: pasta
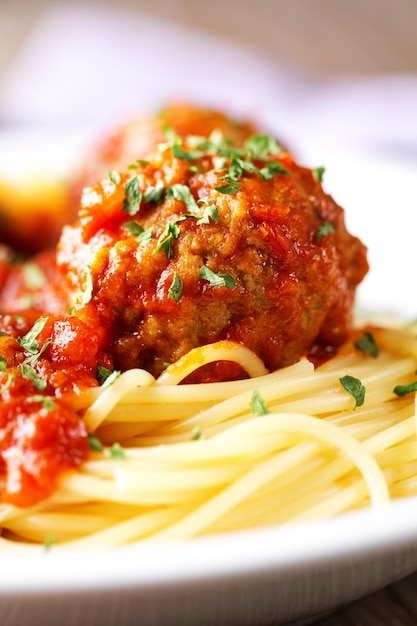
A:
{"x":183,"y":362}
{"x":183,"y":460}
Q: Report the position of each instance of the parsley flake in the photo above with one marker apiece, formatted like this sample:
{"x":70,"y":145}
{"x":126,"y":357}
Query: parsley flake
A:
{"x":133,"y":196}
{"x":258,"y":405}
{"x":33,"y":276}
{"x":114,"y":177}
{"x":46,"y":401}
{"x":183,"y":193}
{"x":95,"y":443}
{"x":196,"y":434}
{"x":154,"y":195}
{"x":261,"y":146}
{"x":170,"y":233}
{"x":216,"y":280}
{"x":30,"y":373}
{"x":271,"y":169}
{"x":211,"y":212}
{"x":187,"y":155}
{"x":326,"y":228}
{"x":175,"y":290}
{"x":29,"y":342}
{"x":318,"y":174}
{"x":367,"y":344}
{"x":117,"y":453}
{"x":230,"y":188}
{"x":142,"y":236}
{"x":355,"y":388}
{"x":403,"y":390}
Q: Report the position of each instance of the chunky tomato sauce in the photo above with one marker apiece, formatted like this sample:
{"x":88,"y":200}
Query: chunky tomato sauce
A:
{"x":41,"y":432}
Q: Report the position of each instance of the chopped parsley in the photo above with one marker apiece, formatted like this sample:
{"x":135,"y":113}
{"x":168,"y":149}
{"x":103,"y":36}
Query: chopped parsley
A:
{"x":106,"y":377}
{"x":258,"y":405}
{"x":175,"y":289}
{"x":326,"y":228}
{"x":216,"y":280}
{"x":355,"y":388}
{"x":367,"y":344}
{"x":211,"y":212}
{"x":117,"y":452}
{"x":114,"y":177}
{"x":196,"y":434}
{"x":10,"y":378}
{"x":183,"y":193}
{"x":318,"y":173}
{"x":170,"y":233}
{"x":142,"y":236}
{"x":403,"y":390}
{"x":230,"y":188}
{"x":94,"y":443}
{"x":154,"y":195}
{"x":133,"y":196}
{"x":261,"y":146}
{"x":46,"y":401}
{"x":187,"y":155}
{"x":33,"y":275}
{"x":30,"y":373}
{"x":29,"y":342}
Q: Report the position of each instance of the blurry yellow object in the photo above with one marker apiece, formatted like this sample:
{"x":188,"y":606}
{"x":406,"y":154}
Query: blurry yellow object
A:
{"x":36,"y":167}
{"x":32,"y":212}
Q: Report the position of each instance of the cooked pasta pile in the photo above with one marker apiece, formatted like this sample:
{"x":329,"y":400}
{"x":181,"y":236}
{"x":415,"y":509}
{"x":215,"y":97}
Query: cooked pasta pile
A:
{"x":174,"y":461}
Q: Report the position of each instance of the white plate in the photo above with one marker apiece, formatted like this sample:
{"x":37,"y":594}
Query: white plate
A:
{"x":269,"y":576}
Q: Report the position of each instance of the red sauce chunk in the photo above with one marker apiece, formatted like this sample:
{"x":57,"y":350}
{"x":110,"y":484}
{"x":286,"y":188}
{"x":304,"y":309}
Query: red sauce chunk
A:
{"x":41,"y":433}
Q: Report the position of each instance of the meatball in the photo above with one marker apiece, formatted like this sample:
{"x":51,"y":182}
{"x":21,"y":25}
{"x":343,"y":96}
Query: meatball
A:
{"x":204,"y":242}
{"x":139,"y":137}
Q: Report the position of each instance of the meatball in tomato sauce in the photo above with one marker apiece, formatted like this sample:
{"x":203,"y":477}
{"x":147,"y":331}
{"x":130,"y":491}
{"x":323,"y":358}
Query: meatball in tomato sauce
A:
{"x":140,"y":136}
{"x":205,"y":241}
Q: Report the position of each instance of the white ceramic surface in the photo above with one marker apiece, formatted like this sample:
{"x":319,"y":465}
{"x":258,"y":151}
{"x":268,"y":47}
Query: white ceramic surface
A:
{"x":269,"y":576}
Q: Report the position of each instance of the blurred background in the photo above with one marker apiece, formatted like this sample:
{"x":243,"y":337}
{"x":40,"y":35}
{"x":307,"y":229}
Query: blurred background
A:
{"x":312,"y":62}
{"x":335,"y":80}
{"x":329,"y":36}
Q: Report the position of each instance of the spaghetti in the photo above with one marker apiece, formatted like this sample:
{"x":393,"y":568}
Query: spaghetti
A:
{"x":184,"y":460}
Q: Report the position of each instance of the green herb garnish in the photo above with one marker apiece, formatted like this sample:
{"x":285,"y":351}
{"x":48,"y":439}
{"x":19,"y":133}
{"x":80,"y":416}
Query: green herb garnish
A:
{"x":30,"y":341}
{"x":216,"y":280}
{"x":355,"y":388}
{"x":117,"y":452}
{"x":258,"y":405}
{"x":133,"y":196}
{"x":183,"y":193}
{"x":142,"y":236}
{"x":318,"y":173}
{"x":30,"y":373}
{"x":325,"y":229}
{"x":33,"y":276}
{"x":175,"y":289}
{"x":367,"y":344}
{"x":230,"y":188}
{"x":114,"y":177}
{"x":403,"y":390}
{"x":154,"y":195}
{"x":95,"y":443}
